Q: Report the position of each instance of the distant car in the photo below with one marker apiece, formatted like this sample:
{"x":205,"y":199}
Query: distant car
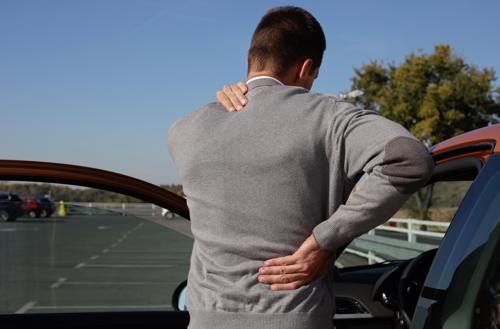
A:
{"x":167,"y":213}
{"x":48,"y":207}
{"x":32,"y":207}
{"x":36,"y":207}
{"x":11,"y":207}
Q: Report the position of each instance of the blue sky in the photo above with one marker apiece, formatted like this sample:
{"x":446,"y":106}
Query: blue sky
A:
{"x":98,"y":83}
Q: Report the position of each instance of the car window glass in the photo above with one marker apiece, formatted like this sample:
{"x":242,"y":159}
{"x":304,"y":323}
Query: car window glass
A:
{"x":472,"y":297}
{"x":15,"y":197}
{"x":487,"y":307}
{"x":418,"y":226}
{"x":89,"y":250}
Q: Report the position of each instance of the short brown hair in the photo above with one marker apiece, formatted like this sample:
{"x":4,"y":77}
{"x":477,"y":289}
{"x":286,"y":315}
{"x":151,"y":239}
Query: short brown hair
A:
{"x":284,"y":36}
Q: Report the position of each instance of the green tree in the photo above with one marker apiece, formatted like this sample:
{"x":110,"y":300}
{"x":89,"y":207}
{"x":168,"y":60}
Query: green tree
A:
{"x":435,"y":96}
{"x":175,"y":188}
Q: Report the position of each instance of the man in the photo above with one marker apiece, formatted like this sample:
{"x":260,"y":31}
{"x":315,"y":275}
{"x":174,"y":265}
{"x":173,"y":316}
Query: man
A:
{"x":267,"y":187}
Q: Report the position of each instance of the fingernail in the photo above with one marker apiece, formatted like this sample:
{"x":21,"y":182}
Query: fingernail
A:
{"x":231,"y":109}
{"x":238,"y":107}
{"x":243,"y":101}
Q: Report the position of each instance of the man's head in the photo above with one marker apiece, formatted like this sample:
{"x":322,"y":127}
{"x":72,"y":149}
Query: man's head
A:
{"x":288,"y":43}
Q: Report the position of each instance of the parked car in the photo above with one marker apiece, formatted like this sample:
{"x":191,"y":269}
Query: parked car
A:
{"x":36,"y":207}
{"x":167,"y":213}
{"x":452,"y":284}
{"x":32,"y":207}
{"x":48,"y":207}
{"x":11,"y":207}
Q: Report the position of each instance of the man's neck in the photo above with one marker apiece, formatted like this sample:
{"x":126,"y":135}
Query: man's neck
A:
{"x":288,"y":79}
{"x":252,"y":75}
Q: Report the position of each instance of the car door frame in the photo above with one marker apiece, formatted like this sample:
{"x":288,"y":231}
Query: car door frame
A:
{"x":456,"y":246}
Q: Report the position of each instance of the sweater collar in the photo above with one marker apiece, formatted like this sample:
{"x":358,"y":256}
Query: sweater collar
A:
{"x":263,"y":80}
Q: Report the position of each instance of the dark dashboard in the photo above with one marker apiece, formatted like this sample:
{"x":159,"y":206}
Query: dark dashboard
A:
{"x":383,"y":294}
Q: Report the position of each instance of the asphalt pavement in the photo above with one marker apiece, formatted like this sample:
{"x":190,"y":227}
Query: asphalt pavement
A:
{"x":90,"y":263}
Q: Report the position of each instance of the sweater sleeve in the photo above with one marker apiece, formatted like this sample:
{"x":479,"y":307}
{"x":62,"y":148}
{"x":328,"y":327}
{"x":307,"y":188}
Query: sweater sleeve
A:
{"x":394,"y":163}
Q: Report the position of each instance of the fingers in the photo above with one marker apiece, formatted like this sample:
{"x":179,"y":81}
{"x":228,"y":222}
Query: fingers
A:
{"x":225,"y":101}
{"x":241,"y":89}
{"x":242,"y":86}
{"x":282,"y":278}
{"x":282,"y":269}
{"x":285,"y":277}
{"x":293,"y":271}
{"x":232,"y":97}
{"x":229,"y":91}
{"x":286,"y":260}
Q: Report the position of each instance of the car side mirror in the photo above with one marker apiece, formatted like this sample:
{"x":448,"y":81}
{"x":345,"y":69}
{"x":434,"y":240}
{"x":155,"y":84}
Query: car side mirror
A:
{"x":179,"y":297}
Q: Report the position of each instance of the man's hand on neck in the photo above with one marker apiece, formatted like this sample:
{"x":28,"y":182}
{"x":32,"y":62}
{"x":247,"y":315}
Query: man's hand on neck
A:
{"x":232,"y":97}
{"x":302,"y":74}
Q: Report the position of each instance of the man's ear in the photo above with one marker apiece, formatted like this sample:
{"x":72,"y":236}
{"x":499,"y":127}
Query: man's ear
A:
{"x":306,"y":69}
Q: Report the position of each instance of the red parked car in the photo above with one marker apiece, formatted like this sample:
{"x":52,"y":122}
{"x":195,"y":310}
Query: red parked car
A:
{"x":32,"y":207}
{"x":36,"y":207}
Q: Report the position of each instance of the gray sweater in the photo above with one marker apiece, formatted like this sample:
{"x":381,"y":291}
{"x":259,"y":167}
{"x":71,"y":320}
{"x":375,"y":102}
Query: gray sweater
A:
{"x":259,"y":181}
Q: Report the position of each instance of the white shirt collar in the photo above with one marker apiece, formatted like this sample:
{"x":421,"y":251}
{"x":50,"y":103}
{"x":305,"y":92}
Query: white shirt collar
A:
{"x":264,"y":77}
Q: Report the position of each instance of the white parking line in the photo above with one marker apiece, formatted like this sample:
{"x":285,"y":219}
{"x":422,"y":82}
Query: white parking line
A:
{"x":8,"y":229}
{"x":94,"y":257}
{"x":339,"y":264}
{"x":58,"y":283}
{"x":13,"y":229}
{"x":80,"y":265}
{"x":127,"y":265}
{"x":105,"y":250}
{"x":26,"y":307}
{"x":114,"y":245}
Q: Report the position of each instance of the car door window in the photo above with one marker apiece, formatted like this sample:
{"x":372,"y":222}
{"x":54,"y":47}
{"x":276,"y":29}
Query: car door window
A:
{"x":473,"y":297}
{"x":487,"y":306}
{"x":91,"y":251}
{"x":418,"y":226}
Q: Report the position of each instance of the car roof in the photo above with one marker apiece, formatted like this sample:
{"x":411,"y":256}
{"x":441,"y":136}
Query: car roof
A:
{"x":478,"y":143}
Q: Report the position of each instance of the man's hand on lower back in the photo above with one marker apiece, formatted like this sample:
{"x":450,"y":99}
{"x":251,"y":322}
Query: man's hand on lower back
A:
{"x":293,"y":271}
{"x":232,"y":97}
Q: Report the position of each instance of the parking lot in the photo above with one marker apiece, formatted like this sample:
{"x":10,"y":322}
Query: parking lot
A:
{"x":90,"y":263}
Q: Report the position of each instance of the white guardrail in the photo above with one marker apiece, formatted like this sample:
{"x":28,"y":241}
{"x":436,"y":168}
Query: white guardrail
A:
{"x":412,"y":230}
{"x":410,"y":227}
{"x":371,"y":246}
